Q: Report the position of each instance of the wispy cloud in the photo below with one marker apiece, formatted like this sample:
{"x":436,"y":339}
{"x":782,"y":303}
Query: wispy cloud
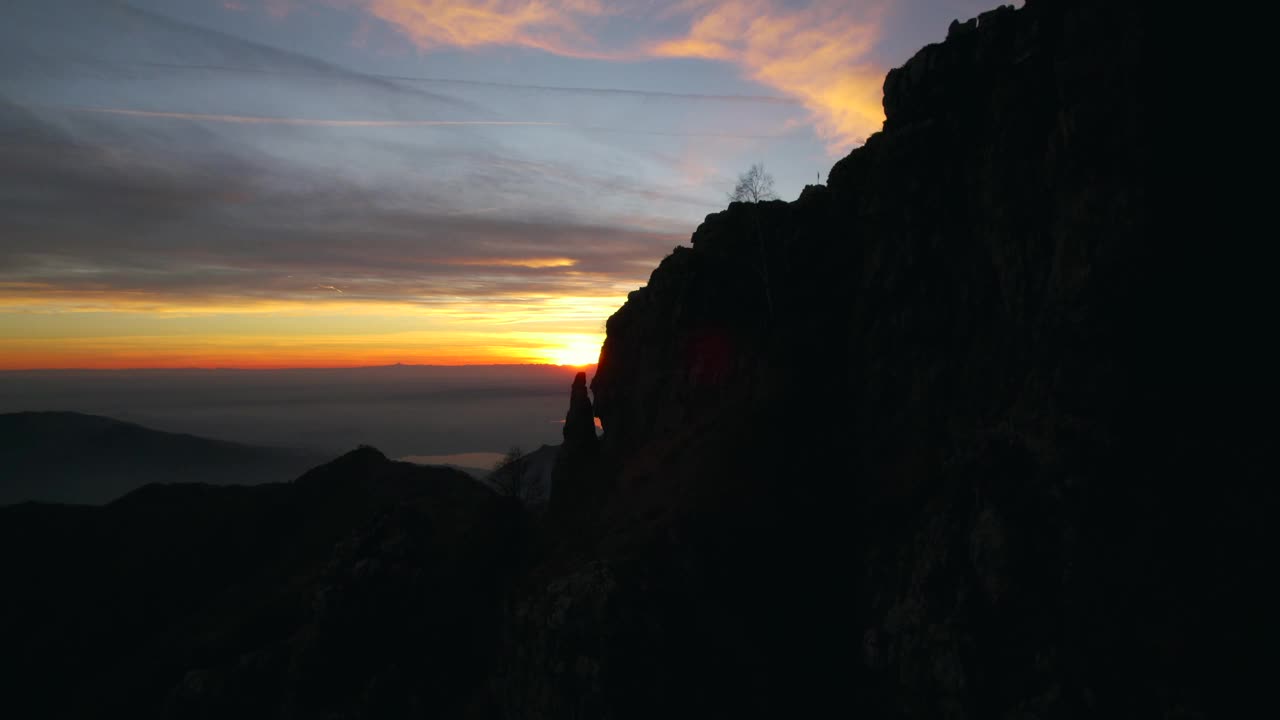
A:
{"x":556,"y":27}
{"x":817,"y":53}
{"x":96,"y":227}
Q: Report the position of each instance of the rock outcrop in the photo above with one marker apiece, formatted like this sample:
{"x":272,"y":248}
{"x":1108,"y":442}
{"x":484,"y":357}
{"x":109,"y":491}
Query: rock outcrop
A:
{"x":571,"y":487}
{"x":580,"y":421}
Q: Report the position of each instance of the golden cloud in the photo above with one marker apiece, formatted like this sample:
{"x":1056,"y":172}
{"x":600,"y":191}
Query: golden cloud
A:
{"x":532,"y":263}
{"x":555,"y":27}
{"x":816,"y":52}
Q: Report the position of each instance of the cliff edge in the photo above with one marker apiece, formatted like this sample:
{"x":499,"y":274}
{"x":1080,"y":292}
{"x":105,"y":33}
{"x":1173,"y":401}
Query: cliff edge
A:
{"x":930,"y":440}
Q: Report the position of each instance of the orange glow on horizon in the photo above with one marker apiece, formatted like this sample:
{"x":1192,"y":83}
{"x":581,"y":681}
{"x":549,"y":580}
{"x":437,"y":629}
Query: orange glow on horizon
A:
{"x":575,"y":353}
{"x":174,"y":359}
{"x":68,"y":331}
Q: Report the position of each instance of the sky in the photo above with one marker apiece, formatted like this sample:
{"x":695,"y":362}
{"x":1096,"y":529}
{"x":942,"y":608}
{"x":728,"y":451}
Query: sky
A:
{"x":338,"y":183}
{"x":407,"y":410}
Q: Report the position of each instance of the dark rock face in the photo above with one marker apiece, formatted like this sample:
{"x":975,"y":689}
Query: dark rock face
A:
{"x":962,"y":418}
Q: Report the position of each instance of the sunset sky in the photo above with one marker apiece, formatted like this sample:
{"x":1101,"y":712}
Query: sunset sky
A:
{"x":298,"y":183}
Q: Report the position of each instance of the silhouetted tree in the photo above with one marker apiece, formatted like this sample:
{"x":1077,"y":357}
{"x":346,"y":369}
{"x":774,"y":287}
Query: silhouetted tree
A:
{"x":512,"y":478}
{"x":754,"y":185}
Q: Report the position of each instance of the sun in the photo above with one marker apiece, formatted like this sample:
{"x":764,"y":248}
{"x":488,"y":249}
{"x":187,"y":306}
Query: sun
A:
{"x":576,"y":353}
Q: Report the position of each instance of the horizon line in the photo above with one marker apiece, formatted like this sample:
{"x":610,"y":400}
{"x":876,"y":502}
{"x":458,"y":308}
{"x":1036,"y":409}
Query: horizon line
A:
{"x":292,"y":367}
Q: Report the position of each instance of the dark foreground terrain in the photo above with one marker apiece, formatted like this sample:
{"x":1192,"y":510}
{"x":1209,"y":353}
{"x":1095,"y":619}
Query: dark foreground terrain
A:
{"x":942,"y":438}
{"x":365,"y":587}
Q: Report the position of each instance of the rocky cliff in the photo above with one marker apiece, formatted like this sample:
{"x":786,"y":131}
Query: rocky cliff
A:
{"x":932,"y":440}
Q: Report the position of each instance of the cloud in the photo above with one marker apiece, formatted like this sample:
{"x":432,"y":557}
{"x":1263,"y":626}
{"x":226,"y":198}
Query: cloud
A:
{"x":555,"y":27}
{"x":818,"y":53}
{"x":533,"y":262}
{"x":93,"y":227}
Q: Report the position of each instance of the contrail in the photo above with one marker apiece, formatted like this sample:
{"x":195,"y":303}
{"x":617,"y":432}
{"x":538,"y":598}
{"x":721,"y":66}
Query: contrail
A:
{"x":766,"y":99}
{"x":320,"y":122}
{"x":313,"y":122}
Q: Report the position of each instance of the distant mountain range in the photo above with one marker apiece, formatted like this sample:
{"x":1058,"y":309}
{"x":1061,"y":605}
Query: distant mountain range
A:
{"x":69,"y":457}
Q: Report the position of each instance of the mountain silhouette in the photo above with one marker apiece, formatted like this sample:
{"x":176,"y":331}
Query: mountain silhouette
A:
{"x":69,"y":457}
{"x":315,"y":588}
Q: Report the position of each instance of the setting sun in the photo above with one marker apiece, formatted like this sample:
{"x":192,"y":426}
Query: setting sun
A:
{"x":585,"y":351}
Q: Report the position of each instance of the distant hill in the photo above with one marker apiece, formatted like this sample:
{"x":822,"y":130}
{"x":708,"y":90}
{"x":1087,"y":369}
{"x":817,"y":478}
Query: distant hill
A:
{"x":69,"y":457}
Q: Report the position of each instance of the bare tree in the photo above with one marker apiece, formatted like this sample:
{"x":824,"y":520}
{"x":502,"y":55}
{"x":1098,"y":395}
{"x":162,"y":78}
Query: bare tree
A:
{"x":508,"y":473}
{"x":512,"y":478}
{"x":754,"y":185}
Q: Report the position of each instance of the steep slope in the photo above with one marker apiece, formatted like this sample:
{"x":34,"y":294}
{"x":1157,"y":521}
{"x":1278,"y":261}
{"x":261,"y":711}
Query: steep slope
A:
{"x":74,"y":458}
